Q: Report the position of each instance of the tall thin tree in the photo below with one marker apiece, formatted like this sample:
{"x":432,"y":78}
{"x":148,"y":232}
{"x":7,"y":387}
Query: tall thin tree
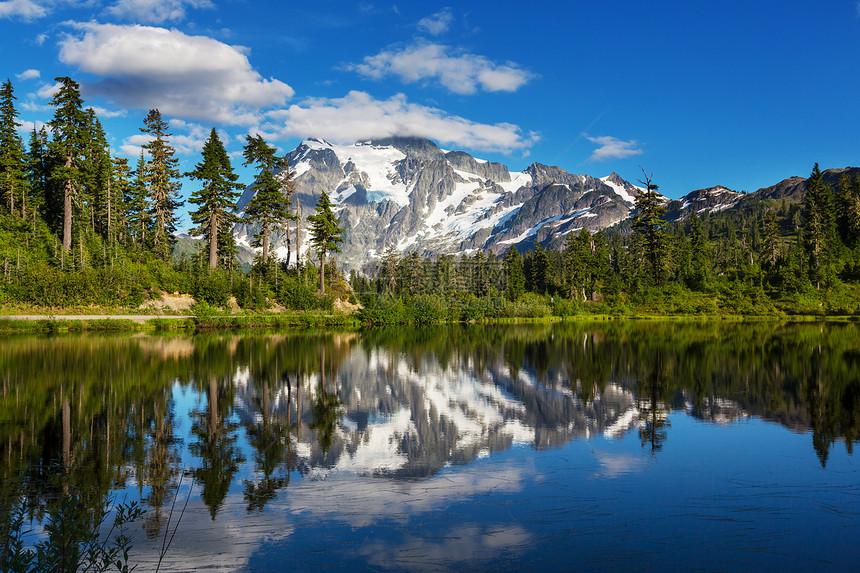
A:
{"x":161,"y":177}
{"x":325,"y":233}
{"x":216,"y":199}
{"x":68,"y":148}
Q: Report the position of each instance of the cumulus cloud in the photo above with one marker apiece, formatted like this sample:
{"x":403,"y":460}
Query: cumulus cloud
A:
{"x":359,"y":116}
{"x":438,"y":23}
{"x":155,"y":11}
{"x":186,"y":137}
{"x":462,"y":73}
{"x":194,"y":77}
{"x":29,"y":126}
{"x":612,"y":148}
{"x":28,"y":75}
{"x":48,"y":91}
{"x":24,"y":9}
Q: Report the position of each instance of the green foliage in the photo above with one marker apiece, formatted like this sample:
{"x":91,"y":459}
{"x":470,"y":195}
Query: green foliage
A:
{"x":216,"y":199}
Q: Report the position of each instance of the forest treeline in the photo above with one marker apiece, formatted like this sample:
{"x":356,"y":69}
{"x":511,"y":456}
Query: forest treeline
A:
{"x":772,"y":257}
{"x":80,"y":226}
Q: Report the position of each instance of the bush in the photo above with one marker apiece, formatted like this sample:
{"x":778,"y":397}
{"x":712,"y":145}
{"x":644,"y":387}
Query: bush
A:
{"x":429,"y":309}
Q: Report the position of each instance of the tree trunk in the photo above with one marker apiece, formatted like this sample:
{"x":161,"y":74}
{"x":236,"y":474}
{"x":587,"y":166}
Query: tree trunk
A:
{"x":289,"y":245}
{"x":322,"y":272}
{"x":213,"y":241}
{"x":265,"y":244}
{"x":67,"y":211}
{"x":11,"y":192}
{"x":109,"y":228}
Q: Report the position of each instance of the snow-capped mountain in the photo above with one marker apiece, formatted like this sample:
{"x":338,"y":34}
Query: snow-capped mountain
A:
{"x":410,"y":195}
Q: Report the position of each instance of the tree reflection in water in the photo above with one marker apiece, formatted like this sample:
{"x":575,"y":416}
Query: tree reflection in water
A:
{"x":425,"y":398}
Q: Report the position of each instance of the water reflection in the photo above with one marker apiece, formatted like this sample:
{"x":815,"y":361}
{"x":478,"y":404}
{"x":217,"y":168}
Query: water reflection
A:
{"x":262,"y":418}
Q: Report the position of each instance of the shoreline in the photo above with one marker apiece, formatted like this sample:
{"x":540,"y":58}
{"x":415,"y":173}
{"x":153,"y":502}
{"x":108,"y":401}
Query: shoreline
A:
{"x":52,"y":323}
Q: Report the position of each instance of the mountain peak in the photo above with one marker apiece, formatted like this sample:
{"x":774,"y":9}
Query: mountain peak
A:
{"x":411,"y":146}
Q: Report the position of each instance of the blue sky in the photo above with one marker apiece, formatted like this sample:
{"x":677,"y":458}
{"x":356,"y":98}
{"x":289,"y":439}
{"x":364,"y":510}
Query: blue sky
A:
{"x":741,"y":94}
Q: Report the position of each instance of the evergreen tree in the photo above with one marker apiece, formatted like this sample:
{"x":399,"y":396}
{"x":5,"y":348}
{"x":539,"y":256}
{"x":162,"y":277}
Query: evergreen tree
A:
{"x":325,"y":234}
{"x":121,"y":183}
{"x":13,"y":166}
{"x":848,"y":209}
{"x":516,"y":278}
{"x":37,"y":170}
{"x":270,"y":206}
{"x":137,"y":210}
{"x":98,"y":177}
{"x":67,"y":149}
{"x":217,"y":197}
{"x":162,"y":185}
{"x":700,"y":255}
{"x":819,"y":228}
{"x":651,"y":237}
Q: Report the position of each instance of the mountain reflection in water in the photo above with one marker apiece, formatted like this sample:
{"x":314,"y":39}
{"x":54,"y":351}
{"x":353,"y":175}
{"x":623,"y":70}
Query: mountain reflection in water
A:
{"x":395,"y":441}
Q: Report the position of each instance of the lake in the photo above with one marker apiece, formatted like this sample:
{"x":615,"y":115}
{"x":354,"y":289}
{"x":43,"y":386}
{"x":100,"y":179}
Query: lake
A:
{"x":565,"y":446}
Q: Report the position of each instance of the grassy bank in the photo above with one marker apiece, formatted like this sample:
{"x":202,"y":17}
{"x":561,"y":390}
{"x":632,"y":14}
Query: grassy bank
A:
{"x":181,"y":323}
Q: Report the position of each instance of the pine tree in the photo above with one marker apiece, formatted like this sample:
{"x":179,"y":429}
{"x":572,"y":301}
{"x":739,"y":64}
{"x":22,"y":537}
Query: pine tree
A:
{"x":37,"y":170}
{"x":270,"y":206}
{"x":13,"y":167}
{"x":700,"y":255}
{"x":98,"y":175}
{"x":121,"y":183}
{"x":648,"y":224}
{"x":217,"y":197}
{"x":819,"y":228}
{"x":68,"y":148}
{"x":848,"y":209}
{"x":515,"y":277}
{"x":137,"y":212}
{"x":325,"y":234}
{"x":162,"y":186}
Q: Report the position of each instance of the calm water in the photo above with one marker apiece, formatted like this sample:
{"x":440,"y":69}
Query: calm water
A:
{"x":655,"y":446}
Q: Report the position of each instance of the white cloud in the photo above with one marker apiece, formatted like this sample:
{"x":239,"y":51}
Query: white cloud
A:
{"x":48,"y":91}
{"x":28,"y":126}
{"x":40,"y":39}
{"x":613,"y":148}
{"x":438,"y":23}
{"x":187,"y":138}
{"x":108,"y":113}
{"x":359,"y":116}
{"x":155,"y":11}
{"x":24,"y":9}
{"x":194,"y":77}
{"x":460,"y":73}
{"x":28,"y":75}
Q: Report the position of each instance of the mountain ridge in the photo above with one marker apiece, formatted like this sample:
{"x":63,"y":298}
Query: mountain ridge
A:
{"x":409,"y":194}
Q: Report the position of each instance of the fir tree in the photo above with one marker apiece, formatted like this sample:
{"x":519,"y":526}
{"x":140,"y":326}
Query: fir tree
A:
{"x":648,"y":224}
{"x":37,"y":169}
{"x":848,"y":209}
{"x":515,"y":277}
{"x":325,"y":234}
{"x":13,"y":166}
{"x":217,"y":197}
{"x":137,"y":212}
{"x":121,"y":183}
{"x":160,"y":177}
{"x":270,"y":206}
{"x":700,"y":255}
{"x":819,"y":227}
{"x":68,"y":148}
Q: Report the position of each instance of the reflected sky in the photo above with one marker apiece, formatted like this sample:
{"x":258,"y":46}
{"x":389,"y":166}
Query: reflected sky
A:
{"x":635,"y":446}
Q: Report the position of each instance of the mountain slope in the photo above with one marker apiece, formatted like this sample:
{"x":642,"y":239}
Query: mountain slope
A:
{"x":410,"y":195}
